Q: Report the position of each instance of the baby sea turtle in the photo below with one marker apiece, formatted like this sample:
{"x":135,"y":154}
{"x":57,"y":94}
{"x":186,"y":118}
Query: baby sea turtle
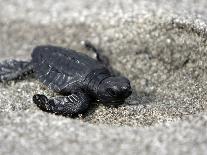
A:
{"x":78,"y":77}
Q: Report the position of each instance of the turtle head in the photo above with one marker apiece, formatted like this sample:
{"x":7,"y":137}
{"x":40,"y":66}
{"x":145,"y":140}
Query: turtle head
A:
{"x":114,"y":90}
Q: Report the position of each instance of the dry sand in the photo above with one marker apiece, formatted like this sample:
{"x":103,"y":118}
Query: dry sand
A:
{"x":160,"y":46}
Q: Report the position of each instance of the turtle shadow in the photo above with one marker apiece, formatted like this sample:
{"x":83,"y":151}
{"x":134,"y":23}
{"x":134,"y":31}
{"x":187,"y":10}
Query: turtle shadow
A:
{"x":140,"y":98}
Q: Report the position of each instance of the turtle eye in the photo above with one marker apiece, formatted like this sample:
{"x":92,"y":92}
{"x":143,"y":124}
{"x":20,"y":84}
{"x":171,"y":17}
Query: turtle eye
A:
{"x":111,"y":92}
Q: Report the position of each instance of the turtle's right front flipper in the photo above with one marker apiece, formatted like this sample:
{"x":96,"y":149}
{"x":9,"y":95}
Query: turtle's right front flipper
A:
{"x":64,"y":105}
{"x":13,"y":69}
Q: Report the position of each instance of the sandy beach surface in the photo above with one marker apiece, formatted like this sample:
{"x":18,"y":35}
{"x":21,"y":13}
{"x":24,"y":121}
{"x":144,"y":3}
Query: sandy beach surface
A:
{"x":160,"y":46}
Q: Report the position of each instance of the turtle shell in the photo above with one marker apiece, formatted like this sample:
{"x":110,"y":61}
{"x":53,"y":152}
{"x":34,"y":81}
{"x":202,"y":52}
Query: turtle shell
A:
{"x":61,"y":69}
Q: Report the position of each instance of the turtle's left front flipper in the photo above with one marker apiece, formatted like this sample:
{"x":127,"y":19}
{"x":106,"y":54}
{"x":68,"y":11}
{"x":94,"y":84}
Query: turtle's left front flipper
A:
{"x":64,"y":105}
{"x":100,"y":57}
{"x":13,"y":69}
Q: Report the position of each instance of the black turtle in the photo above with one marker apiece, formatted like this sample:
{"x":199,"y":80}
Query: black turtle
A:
{"x":78,"y":77}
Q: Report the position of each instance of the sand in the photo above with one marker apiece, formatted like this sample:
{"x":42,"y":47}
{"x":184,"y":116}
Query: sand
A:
{"x":160,"y":46}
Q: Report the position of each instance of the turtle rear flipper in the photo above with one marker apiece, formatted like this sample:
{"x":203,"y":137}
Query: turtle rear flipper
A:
{"x":13,"y":69}
{"x":64,"y":105}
